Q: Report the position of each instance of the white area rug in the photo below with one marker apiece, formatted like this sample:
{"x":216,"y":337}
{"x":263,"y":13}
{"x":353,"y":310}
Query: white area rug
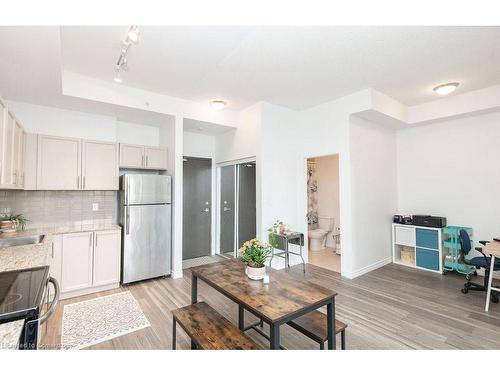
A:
{"x":100,"y":319}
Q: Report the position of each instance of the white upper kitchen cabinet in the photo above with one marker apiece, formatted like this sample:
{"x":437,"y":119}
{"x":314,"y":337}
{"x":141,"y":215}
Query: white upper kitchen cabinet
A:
{"x":107,"y":255}
{"x":30,"y":161}
{"x":19,"y":156}
{"x":9,"y":165}
{"x":59,"y":164}
{"x":77,"y":261}
{"x":131,"y":156}
{"x":99,"y":165}
{"x":156,"y":158}
{"x":143,"y":157}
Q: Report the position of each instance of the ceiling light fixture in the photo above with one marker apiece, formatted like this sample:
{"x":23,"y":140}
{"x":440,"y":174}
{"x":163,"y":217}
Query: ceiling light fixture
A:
{"x":132,"y":37}
{"x":446,"y":88}
{"x":218,"y":104}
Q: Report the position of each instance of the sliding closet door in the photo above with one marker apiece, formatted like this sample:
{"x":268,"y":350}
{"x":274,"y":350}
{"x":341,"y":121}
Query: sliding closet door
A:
{"x":227,"y":209}
{"x":247,"y":220}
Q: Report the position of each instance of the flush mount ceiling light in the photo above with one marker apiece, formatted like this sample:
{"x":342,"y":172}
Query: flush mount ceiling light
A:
{"x":446,"y":88}
{"x":218,"y":104}
{"x":132,"y":37}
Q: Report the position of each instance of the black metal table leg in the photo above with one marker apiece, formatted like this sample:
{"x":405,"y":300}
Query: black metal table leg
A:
{"x":194,"y":288}
{"x":174,"y":326}
{"x":241,"y":317}
{"x":274,"y":339}
{"x":330,"y":316}
{"x":342,"y":340}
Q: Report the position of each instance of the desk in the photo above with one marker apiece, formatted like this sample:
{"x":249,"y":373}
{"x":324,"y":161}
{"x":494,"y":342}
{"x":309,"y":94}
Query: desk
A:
{"x":282,"y":300}
{"x":492,"y":248}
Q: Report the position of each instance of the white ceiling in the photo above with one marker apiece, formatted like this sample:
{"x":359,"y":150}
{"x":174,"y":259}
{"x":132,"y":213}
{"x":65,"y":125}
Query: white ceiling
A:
{"x":297,"y":67}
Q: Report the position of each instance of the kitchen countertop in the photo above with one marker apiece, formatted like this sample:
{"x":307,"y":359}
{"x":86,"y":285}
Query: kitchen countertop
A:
{"x":35,"y":255}
{"x":10,"y":334}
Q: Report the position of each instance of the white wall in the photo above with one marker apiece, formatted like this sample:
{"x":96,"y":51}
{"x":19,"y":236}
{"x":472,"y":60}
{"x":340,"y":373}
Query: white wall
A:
{"x":327,"y":169}
{"x":127,"y":132}
{"x":65,"y":123}
{"x":373,"y":195}
{"x":199,"y":145}
{"x":244,"y":142}
{"x":451,"y":169}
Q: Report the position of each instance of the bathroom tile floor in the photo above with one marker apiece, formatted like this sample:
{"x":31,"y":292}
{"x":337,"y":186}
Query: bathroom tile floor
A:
{"x":326,"y":258}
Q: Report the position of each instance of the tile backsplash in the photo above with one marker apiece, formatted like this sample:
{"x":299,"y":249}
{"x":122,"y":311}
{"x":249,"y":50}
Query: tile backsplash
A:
{"x":60,"y":208}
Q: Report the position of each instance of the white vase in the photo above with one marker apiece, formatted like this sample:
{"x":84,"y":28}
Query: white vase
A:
{"x":256,"y":273}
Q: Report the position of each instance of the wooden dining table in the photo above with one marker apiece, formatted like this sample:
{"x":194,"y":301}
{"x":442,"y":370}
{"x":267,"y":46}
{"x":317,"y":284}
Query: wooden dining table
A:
{"x":283,"y":299}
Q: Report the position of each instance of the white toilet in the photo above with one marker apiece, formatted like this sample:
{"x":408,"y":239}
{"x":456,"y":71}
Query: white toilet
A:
{"x":317,"y":237}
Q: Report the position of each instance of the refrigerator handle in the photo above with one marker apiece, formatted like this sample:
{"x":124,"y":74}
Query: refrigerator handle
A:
{"x":127,"y":220}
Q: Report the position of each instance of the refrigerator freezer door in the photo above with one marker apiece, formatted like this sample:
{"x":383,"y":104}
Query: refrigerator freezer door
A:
{"x":146,"y":242}
{"x":146,"y":189}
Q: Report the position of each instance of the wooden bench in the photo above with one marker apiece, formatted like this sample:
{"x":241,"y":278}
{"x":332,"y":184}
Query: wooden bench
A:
{"x":313,"y":325}
{"x":208,"y":329}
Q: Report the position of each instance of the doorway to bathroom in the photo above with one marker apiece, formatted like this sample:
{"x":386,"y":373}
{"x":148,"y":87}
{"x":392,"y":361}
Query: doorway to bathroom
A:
{"x":323,"y":212}
{"x":236,"y":201}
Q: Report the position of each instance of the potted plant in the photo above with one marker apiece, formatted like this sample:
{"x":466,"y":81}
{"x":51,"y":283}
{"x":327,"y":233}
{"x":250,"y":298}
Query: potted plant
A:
{"x":254,"y":254}
{"x":11,"y":222}
{"x":279,"y":227}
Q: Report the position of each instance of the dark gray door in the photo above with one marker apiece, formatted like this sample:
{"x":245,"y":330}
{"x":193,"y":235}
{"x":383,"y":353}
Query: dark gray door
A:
{"x":227,"y":208}
{"x":247,"y":220}
{"x":197,"y":218}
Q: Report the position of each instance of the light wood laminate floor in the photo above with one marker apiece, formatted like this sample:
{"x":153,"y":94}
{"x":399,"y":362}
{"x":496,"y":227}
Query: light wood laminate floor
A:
{"x":326,"y":258}
{"x":394,"y":307}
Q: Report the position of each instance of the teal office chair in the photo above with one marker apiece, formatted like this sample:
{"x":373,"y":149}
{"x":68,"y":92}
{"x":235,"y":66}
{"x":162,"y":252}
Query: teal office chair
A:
{"x":476,"y":257}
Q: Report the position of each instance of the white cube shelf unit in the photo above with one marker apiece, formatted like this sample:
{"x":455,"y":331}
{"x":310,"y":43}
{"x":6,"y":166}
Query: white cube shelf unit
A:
{"x":425,"y":243}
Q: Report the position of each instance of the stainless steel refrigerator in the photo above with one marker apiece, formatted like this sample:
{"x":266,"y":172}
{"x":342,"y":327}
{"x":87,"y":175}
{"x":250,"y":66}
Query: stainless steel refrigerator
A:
{"x":145,"y":215}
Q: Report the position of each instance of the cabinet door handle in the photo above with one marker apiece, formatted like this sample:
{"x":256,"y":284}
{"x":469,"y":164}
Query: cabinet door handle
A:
{"x":142,"y":161}
{"x":78,"y":182}
{"x":147,"y":160}
{"x":96,"y":239}
{"x":90,"y":240}
{"x":83,"y":182}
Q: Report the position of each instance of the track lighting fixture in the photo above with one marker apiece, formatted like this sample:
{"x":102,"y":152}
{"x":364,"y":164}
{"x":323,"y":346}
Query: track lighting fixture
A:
{"x":121,"y":65}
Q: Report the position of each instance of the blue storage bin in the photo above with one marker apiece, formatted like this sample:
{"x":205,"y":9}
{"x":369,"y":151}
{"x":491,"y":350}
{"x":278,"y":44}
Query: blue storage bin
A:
{"x":428,"y":259}
{"x":427,"y":238}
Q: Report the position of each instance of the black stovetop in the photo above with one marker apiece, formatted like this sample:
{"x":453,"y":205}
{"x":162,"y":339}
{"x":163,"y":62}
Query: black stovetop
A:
{"x":21,"y":292}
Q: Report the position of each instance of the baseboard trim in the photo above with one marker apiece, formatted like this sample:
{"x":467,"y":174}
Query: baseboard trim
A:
{"x":369,"y":268}
{"x":82,"y":292}
{"x":176,"y":274}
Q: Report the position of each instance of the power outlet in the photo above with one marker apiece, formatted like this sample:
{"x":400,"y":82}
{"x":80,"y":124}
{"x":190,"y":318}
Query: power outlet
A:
{"x":95,"y":206}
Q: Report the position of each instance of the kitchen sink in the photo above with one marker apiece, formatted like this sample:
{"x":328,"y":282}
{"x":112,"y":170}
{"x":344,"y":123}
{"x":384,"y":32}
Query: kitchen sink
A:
{"x":19,"y":241}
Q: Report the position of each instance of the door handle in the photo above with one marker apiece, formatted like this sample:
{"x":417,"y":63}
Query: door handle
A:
{"x":206,"y":210}
{"x":83,"y":187}
{"x":147,"y":160}
{"x":227,"y":209}
{"x":127,"y":221}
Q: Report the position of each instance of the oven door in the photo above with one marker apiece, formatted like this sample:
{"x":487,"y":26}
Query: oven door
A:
{"x":31,"y":334}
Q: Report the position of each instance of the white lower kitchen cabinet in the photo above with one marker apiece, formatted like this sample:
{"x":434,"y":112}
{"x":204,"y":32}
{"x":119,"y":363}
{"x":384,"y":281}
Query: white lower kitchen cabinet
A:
{"x":87,"y":262}
{"x":77,"y":261}
{"x":107,"y":255}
